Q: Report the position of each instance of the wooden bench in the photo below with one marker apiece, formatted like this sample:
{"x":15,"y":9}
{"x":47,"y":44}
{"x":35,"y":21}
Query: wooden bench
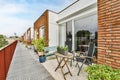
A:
{"x":49,"y":51}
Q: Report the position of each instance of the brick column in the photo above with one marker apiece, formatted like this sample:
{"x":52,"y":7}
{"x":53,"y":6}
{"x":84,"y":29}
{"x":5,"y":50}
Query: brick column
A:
{"x":109,"y":32}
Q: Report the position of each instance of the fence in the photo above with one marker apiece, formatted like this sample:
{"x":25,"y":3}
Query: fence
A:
{"x":6,"y":55}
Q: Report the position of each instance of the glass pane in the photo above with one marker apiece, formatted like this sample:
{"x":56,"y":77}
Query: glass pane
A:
{"x":85,"y":31}
{"x":69,"y":35}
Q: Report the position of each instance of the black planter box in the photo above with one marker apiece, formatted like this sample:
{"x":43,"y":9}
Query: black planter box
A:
{"x":62,"y":52}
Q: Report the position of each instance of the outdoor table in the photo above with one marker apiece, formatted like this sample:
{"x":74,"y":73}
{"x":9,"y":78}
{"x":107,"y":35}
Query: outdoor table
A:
{"x":64,"y":59}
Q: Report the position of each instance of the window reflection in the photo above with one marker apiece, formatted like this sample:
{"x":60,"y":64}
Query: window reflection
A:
{"x":85,"y":31}
{"x":68,"y":41}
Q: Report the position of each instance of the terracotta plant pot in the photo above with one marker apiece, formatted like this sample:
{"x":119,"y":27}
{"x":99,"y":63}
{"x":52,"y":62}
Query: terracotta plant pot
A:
{"x":40,"y":53}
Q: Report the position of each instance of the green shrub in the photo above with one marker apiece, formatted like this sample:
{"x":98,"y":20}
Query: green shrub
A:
{"x":39,"y":43}
{"x":102,"y":72}
{"x":3,"y":42}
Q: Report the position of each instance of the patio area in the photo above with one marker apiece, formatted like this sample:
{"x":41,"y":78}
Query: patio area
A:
{"x":51,"y":65}
{"x":25,"y":65}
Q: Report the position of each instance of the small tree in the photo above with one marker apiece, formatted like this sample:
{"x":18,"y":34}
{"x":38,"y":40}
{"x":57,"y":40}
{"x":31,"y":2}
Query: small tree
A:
{"x":40,"y":44}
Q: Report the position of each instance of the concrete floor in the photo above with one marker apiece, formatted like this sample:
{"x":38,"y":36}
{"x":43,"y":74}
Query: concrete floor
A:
{"x":25,"y":66}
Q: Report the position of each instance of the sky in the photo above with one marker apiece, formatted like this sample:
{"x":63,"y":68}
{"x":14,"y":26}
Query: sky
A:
{"x":16,"y":16}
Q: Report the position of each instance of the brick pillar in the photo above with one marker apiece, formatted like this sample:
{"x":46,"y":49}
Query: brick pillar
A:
{"x":109,"y":32}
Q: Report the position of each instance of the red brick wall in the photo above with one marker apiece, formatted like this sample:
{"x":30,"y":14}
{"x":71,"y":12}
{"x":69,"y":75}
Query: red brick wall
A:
{"x":109,"y":32}
{"x":42,"y":21}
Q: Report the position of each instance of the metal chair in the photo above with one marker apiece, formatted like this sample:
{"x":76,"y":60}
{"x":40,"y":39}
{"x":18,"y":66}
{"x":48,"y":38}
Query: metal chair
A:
{"x":86,"y":59}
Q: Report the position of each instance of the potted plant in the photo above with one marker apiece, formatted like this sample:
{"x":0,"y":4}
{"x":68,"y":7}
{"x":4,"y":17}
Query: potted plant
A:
{"x":65,"y":50}
{"x":62,"y":50}
{"x":40,"y":49}
{"x":59,"y":49}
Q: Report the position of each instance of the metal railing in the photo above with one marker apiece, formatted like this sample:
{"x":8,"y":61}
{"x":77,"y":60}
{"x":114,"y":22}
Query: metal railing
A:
{"x":6,"y":55}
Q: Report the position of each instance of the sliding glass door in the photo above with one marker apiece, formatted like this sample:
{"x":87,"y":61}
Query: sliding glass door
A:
{"x":78,"y":32}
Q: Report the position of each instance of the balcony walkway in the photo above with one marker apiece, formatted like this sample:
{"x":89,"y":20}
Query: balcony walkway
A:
{"x":25,"y":66}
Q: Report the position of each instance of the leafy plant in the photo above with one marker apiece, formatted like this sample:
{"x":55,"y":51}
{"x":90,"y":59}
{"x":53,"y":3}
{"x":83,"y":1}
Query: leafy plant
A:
{"x":58,"y":48}
{"x":62,"y":48}
{"x":65,"y":48}
{"x":102,"y":72}
{"x":40,"y":44}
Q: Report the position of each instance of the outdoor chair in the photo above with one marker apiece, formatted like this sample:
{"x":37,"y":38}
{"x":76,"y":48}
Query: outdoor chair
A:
{"x":86,"y":59}
{"x":83,"y":49}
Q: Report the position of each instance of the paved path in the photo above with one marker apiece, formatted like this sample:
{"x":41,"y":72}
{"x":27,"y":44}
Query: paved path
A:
{"x":25,"y":66}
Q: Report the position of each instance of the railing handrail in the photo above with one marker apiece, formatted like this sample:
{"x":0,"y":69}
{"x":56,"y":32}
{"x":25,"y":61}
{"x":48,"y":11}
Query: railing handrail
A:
{"x":6,"y":54}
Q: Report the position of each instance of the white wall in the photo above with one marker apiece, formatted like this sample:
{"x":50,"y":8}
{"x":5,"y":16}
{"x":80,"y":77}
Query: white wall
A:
{"x":53,"y":29}
{"x":62,"y":34}
{"x":32,"y":33}
{"x":26,"y":36}
{"x":35,"y":34}
{"x":76,"y":7}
